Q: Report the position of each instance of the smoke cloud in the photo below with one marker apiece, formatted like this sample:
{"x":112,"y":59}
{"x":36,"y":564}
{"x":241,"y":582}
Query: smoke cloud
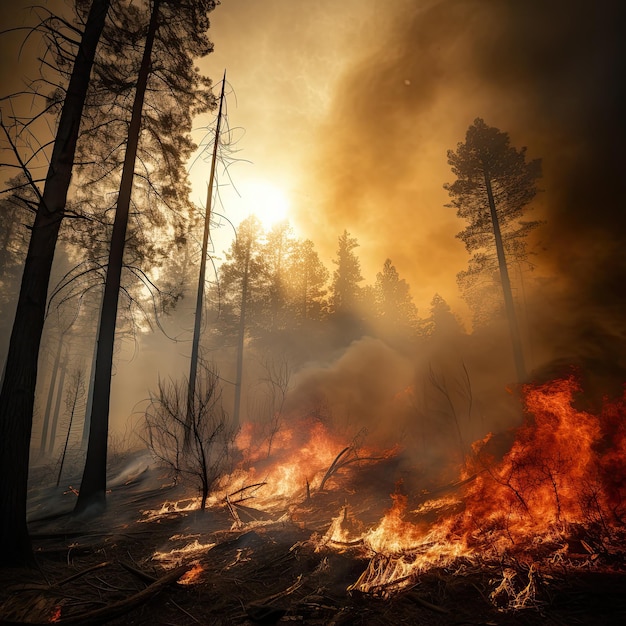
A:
{"x":549,"y":74}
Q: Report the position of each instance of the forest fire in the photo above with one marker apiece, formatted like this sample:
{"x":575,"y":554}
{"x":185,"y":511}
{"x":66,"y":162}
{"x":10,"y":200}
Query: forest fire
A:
{"x":293,"y":461}
{"x":559,"y":486}
{"x":555,"y":497}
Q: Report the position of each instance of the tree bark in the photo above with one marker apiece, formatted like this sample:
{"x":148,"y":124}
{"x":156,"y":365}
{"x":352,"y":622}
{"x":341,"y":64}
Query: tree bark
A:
{"x":18,"y":387}
{"x":93,"y":486}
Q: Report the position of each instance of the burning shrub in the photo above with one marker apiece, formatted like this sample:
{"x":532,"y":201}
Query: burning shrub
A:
{"x":564,"y":469}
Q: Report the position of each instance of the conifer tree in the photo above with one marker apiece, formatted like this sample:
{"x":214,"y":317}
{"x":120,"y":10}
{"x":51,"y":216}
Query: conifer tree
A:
{"x":494,"y":185}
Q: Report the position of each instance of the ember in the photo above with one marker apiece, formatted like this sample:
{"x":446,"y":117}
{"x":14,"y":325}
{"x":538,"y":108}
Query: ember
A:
{"x":56,"y":614}
{"x":192,"y":576}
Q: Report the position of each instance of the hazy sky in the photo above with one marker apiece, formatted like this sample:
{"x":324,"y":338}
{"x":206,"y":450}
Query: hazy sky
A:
{"x":348,"y":108}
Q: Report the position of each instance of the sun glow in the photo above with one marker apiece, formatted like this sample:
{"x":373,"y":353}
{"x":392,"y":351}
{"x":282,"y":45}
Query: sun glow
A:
{"x":265,"y":200}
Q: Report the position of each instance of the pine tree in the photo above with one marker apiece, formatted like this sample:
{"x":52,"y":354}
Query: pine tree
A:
{"x":243,"y":279}
{"x":346,"y":278}
{"x":494,"y":185}
{"x":394,"y":305}
{"x":308,"y":278}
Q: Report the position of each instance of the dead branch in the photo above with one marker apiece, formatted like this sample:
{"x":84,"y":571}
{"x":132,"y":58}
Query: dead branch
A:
{"x":333,"y":467}
{"x":428,"y":605}
{"x":82,"y":573}
{"x":234,"y":493}
{"x":338,"y":464}
{"x":143,"y":576}
{"x":233,"y":512}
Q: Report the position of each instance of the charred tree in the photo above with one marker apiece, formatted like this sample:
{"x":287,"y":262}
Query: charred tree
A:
{"x":18,"y":387}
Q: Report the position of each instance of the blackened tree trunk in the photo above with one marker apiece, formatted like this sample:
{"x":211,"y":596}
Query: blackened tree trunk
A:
{"x":93,"y":485}
{"x":18,"y":387}
{"x":57,"y":409}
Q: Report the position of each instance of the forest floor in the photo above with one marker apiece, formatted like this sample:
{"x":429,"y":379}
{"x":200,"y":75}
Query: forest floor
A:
{"x":130,"y":566}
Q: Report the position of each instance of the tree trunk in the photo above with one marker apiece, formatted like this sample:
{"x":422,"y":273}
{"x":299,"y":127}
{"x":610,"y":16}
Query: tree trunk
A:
{"x":195,"y":344}
{"x":240,"y":338}
{"x":51,"y":388}
{"x":93,"y":485}
{"x":518,"y":354}
{"x":57,"y":409}
{"x":18,"y":387}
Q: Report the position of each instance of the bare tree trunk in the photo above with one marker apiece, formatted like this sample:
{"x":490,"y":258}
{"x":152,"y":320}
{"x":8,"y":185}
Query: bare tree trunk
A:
{"x":93,"y":485}
{"x":18,"y":388}
{"x":195,"y":344}
{"x":518,"y":354}
{"x":77,"y":390}
{"x":90,"y":383}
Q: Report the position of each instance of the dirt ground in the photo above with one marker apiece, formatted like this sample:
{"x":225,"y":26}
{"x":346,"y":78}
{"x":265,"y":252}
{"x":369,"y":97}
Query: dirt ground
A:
{"x":126,"y":567}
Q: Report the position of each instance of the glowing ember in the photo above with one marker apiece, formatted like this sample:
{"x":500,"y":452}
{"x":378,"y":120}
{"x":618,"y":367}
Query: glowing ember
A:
{"x":168,"y":508}
{"x":56,"y":614}
{"x":192,"y":576}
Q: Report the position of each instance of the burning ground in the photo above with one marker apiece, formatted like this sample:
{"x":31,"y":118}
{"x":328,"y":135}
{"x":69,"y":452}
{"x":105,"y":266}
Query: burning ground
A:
{"x":324,"y":530}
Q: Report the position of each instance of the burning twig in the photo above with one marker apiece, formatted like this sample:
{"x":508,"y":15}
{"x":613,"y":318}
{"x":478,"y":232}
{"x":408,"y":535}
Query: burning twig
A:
{"x":246,"y":488}
{"x":238,"y":523}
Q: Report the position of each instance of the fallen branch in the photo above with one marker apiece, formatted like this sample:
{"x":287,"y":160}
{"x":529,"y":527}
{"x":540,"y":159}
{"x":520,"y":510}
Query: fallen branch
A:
{"x":238,"y":523}
{"x":143,"y":576}
{"x":117,"y":609}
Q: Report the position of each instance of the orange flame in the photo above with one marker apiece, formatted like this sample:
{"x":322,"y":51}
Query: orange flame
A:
{"x":191,"y":576}
{"x":563,"y":469}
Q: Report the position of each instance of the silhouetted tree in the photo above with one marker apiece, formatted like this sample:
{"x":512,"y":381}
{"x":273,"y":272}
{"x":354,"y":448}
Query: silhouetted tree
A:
{"x":277,"y":251}
{"x":243,"y":279}
{"x":307,"y":282}
{"x":494,"y":185}
{"x":346,"y":278}
{"x":442,"y":322}
{"x":18,"y":388}
{"x":17,"y":209}
{"x":199,"y":451}
{"x":184,"y":24}
{"x":394,"y":305}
